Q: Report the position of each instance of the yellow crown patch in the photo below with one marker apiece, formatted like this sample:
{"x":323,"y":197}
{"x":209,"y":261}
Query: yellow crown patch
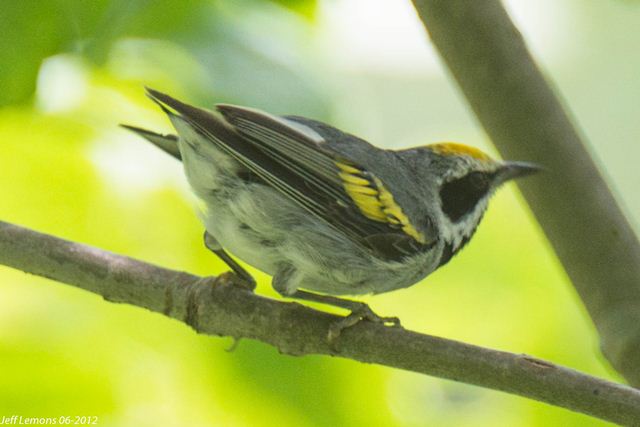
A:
{"x":456,"y":149}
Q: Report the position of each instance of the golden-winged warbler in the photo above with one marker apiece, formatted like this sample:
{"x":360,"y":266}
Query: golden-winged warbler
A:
{"x":322,"y":211}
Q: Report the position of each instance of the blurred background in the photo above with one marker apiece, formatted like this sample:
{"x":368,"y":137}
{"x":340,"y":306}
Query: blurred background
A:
{"x":71,"y":70}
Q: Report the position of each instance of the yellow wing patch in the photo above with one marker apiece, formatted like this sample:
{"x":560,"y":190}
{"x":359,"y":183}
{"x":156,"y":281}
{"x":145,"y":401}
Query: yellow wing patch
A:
{"x":456,"y":149}
{"x":374,"y":200}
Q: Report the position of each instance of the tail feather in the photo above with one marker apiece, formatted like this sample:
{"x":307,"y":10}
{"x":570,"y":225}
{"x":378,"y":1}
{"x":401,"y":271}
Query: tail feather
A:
{"x":167,"y":143}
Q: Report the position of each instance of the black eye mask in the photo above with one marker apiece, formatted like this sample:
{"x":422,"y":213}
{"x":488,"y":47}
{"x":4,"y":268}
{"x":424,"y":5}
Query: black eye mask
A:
{"x":460,"y":196}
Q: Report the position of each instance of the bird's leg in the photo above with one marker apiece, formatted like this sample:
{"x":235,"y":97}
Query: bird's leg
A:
{"x":285,"y":280}
{"x":240,"y":277}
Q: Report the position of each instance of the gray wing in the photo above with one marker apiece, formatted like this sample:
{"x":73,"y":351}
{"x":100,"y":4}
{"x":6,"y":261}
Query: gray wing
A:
{"x":325,"y":154}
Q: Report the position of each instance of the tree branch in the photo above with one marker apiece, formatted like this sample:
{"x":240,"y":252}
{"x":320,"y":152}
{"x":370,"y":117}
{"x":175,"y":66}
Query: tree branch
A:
{"x":594,"y":241}
{"x":297,"y":330}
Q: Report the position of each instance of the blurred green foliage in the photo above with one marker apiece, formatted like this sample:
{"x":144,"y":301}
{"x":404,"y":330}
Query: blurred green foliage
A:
{"x":36,"y":29}
{"x":72,"y":70}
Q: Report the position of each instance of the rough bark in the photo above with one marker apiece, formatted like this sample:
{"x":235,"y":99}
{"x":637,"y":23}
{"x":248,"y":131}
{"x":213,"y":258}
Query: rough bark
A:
{"x":215,"y":309}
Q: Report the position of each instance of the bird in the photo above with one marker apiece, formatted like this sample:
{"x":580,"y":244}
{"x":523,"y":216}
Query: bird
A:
{"x":324,"y":212}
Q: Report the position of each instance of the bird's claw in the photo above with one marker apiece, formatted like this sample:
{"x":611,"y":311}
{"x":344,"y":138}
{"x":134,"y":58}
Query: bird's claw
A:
{"x":359,"y":313}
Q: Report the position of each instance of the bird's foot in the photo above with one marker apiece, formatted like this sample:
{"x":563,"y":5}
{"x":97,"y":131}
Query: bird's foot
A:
{"x":359,"y":312}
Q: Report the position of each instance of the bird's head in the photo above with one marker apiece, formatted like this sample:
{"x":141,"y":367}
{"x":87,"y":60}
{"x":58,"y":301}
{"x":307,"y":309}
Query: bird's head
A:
{"x":462,"y":179}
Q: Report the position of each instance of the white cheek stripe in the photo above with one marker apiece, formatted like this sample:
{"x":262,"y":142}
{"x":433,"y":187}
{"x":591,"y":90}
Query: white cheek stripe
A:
{"x":456,"y":232}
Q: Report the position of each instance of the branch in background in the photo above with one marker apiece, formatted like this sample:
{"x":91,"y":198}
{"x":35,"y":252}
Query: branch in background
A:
{"x":297,"y":330}
{"x":594,"y":241}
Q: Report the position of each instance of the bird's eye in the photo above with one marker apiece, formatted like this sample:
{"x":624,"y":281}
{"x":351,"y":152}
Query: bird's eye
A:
{"x":479,"y":180}
{"x":460,"y":196}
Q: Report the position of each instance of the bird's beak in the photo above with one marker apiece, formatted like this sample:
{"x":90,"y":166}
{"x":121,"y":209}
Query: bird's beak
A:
{"x":512,"y":170}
